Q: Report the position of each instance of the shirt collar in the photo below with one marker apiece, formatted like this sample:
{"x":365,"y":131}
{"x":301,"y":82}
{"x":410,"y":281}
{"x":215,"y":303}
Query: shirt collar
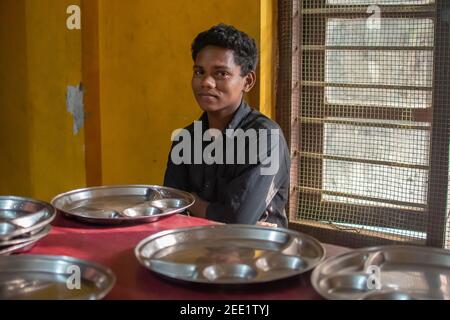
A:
{"x":242,"y":111}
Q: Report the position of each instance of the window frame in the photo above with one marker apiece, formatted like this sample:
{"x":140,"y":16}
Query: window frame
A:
{"x":288,"y":106}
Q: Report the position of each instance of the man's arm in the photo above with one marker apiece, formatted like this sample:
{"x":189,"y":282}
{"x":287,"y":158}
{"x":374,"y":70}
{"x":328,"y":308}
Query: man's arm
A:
{"x":199,"y":207}
{"x":176,"y":176}
{"x":245,"y":198}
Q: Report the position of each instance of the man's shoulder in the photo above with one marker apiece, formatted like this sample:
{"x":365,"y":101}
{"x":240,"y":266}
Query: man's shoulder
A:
{"x":256,"y":120}
{"x":261,"y":123}
{"x":190,"y":127}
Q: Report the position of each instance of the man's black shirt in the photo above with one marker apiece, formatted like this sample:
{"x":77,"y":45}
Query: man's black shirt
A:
{"x":238,"y":192}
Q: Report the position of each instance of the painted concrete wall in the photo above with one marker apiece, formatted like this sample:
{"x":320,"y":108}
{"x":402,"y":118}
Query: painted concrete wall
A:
{"x":14,"y":112}
{"x":146,"y":68}
{"x":41,"y":156}
{"x":268,"y":57}
{"x":139,"y":84}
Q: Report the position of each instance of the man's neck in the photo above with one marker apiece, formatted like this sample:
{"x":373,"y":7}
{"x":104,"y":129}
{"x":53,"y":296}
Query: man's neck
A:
{"x":220,"y":119}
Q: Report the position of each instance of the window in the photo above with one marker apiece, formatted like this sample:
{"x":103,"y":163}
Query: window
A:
{"x":362,"y":94}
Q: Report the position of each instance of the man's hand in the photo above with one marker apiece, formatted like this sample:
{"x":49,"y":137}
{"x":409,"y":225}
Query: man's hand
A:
{"x":266,"y":224}
{"x":198,"y":209}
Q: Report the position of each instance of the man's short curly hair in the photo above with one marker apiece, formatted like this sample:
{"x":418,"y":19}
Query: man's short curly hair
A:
{"x":228,"y":37}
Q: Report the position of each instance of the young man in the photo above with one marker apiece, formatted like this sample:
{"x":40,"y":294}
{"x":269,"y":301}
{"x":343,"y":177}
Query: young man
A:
{"x":248,"y":182}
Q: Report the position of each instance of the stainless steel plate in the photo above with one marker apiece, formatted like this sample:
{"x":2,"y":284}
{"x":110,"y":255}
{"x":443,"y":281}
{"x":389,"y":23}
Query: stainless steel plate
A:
{"x":35,"y":236}
{"x":20,"y":216}
{"x":17,"y":248}
{"x":229,"y":254}
{"x":387,"y":273}
{"x":120,"y":204}
{"x":38,"y":277}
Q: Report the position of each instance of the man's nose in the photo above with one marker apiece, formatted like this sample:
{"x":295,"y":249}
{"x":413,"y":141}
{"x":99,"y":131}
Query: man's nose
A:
{"x":208,"y":82}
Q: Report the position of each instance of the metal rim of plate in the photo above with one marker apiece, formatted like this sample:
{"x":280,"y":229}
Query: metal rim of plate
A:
{"x":58,"y":201}
{"x":145,"y":253}
{"x":352,"y":268}
{"x":48,"y":209}
{"x":18,"y":248}
{"x":27,"y":238}
{"x":103,"y":277}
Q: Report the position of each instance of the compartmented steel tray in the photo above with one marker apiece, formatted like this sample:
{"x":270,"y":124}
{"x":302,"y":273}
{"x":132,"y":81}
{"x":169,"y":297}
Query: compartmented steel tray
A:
{"x":21,"y":217}
{"x":17,"y":248}
{"x":32,"y":236}
{"x":39,"y":277}
{"x":23,"y":221}
{"x":124,"y":203}
{"x":385,"y":272}
{"x":229,"y":254}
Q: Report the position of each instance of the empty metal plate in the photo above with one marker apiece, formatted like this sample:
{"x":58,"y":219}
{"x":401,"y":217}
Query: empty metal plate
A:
{"x":229,"y":254}
{"x":385,"y":273}
{"x":26,"y":237}
{"x":120,"y":204}
{"x":17,"y":248}
{"x":20,"y":216}
{"x":38,"y":277}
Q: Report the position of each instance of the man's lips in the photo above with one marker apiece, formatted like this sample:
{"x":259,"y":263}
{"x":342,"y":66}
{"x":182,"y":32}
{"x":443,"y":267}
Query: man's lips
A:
{"x":207,"y":95}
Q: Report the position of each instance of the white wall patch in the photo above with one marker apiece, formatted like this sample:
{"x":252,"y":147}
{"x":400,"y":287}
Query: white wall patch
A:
{"x":74,"y":101}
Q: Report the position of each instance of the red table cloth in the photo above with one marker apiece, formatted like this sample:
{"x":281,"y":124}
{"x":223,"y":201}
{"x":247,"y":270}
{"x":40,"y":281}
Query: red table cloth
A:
{"x":114,"y":248}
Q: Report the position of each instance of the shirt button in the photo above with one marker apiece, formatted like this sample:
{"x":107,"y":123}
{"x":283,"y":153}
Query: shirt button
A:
{"x":207,"y":185}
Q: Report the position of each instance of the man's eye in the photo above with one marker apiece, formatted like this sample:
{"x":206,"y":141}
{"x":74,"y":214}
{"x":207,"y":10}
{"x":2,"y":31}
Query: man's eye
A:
{"x":198,"y":72}
{"x":222,"y":74}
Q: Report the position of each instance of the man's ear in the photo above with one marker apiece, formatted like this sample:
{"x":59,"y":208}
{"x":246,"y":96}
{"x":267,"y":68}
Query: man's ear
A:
{"x":250,"y":80}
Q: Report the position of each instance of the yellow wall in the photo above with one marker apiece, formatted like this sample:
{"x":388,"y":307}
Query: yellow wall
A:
{"x":136,"y":72}
{"x":268,"y":53}
{"x":14,"y":114}
{"x":40,"y":59}
{"x":145,"y":72}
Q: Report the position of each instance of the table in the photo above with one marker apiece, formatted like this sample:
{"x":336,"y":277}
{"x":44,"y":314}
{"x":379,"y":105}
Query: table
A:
{"x":114,"y":248}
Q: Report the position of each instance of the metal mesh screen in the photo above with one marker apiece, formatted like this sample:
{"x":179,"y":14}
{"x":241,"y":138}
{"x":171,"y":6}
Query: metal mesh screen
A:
{"x":369,"y":121}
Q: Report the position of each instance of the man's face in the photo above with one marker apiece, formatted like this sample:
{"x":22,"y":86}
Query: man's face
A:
{"x":217,"y":82}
